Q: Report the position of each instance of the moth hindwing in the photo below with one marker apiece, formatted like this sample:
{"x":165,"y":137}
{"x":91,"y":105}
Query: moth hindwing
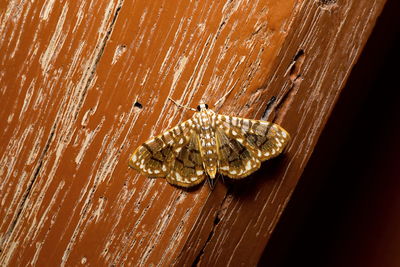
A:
{"x":208,"y":144}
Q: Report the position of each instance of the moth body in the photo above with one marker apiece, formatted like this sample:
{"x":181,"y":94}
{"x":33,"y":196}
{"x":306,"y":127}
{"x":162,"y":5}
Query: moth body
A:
{"x":207,"y":140}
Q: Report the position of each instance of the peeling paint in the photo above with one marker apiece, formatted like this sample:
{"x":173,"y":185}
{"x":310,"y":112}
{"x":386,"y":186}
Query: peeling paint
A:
{"x":47,"y":8}
{"x":56,"y":42}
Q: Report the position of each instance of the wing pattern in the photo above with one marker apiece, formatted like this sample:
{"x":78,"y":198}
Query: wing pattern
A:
{"x":173,"y":154}
{"x":247,"y":143}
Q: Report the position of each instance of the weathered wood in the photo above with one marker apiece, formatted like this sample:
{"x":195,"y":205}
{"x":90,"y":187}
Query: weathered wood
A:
{"x":82,"y":84}
{"x":327,"y":42}
{"x":328,"y":39}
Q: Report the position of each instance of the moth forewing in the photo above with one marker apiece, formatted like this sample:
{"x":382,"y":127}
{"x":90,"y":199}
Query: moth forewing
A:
{"x":152,"y":157}
{"x":186,"y":168}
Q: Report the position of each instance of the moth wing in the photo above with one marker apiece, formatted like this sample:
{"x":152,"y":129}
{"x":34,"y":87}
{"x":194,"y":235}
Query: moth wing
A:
{"x":186,"y":165}
{"x":153,"y":157}
{"x":265,"y":139}
{"x":235,"y":159}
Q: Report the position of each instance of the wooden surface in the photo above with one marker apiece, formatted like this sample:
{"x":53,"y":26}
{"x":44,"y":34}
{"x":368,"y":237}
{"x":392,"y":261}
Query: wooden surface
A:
{"x":83,"y":84}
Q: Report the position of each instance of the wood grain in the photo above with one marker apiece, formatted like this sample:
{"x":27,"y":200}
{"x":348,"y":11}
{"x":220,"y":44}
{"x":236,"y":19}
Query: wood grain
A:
{"x":84,"y":83}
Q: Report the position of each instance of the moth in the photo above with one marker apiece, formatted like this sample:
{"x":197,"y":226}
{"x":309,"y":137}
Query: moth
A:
{"x":207,"y":144}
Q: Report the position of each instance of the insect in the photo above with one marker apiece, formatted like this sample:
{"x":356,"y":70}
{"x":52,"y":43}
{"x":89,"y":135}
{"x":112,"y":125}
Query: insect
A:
{"x":207,"y":144}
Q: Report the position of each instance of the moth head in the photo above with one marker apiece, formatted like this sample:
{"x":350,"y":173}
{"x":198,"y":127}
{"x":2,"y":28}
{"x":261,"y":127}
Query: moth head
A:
{"x":202,"y":106}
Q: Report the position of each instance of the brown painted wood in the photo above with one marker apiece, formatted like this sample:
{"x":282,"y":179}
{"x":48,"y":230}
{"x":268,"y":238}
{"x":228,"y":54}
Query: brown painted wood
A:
{"x":82,"y":84}
{"x":326,"y":38}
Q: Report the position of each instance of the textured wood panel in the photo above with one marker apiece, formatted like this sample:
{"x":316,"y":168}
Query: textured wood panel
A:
{"x":49,"y":52}
{"x":326,"y":38}
{"x":72,"y":77}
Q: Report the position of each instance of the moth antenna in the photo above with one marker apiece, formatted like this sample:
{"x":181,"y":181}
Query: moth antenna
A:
{"x":180,"y":105}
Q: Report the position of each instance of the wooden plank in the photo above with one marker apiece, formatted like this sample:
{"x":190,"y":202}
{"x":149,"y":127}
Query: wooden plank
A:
{"x":327,"y":43}
{"x":71,"y":76}
{"x":49,"y":53}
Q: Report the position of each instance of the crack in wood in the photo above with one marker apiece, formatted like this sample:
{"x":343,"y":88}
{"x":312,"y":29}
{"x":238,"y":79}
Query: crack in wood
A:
{"x":294,"y":69}
{"x":29,"y":188}
{"x":296,"y":77}
{"x":217,"y":219}
{"x":98,"y":57}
